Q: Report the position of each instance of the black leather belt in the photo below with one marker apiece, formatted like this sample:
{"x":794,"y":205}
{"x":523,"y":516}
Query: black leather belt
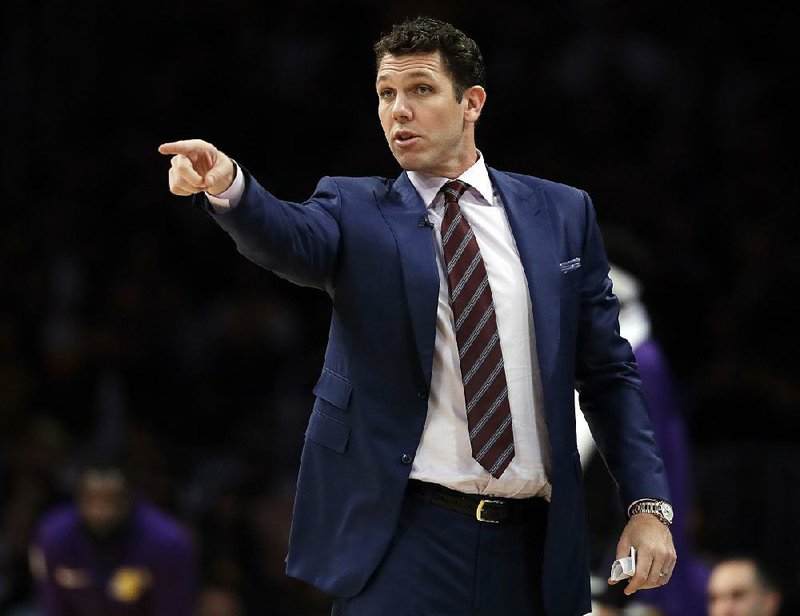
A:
{"x":495,"y":510}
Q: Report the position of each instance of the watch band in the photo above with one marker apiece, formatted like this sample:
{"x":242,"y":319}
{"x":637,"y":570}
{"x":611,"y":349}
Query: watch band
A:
{"x":635,"y":503}
{"x":659,"y":508}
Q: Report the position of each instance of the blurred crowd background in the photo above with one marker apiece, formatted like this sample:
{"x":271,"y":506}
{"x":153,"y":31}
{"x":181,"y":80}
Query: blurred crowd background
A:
{"x":128,"y":320}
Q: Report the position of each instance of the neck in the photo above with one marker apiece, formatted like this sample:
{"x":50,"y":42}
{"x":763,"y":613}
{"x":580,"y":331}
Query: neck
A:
{"x":467,"y":159}
{"x":457,"y":167}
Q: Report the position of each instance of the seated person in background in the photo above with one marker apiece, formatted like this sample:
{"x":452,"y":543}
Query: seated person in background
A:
{"x":741,"y":586}
{"x":111,"y":552}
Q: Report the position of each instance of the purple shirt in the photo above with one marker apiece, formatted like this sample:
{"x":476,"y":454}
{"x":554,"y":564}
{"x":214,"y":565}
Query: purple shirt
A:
{"x":149,"y":570}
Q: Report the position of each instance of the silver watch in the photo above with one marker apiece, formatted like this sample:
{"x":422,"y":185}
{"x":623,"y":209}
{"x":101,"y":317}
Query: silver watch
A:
{"x":659,"y":508}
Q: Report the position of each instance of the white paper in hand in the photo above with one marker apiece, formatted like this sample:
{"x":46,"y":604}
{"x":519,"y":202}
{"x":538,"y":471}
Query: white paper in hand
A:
{"x":624,"y":567}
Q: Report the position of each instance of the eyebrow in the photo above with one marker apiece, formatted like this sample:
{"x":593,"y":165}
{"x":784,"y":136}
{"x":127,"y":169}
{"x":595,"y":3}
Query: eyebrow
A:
{"x":413,"y":75}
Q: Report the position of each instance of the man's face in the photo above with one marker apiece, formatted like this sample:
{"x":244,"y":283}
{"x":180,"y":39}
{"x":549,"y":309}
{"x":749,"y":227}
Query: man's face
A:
{"x":427,"y":129}
{"x":104,"y":502}
{"x":734,"y":590}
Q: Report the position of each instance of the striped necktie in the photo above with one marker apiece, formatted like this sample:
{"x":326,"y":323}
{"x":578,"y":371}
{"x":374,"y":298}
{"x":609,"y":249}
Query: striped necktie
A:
{"x":482,"y":370}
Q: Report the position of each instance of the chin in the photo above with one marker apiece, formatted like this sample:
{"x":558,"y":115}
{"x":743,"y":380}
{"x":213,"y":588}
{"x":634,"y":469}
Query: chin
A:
{"x":409,"y":163}
{"x":407,"y":160}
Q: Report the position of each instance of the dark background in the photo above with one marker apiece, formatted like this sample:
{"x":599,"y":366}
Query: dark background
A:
{"x":127,"y":317}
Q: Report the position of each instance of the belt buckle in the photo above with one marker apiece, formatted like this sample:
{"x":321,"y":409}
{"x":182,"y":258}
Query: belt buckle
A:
{"x":479,"y":510}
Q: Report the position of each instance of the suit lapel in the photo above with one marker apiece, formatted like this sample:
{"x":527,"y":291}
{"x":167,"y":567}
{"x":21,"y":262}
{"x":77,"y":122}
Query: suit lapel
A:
{"x":529,"y":217}
{"x":404,"y":211}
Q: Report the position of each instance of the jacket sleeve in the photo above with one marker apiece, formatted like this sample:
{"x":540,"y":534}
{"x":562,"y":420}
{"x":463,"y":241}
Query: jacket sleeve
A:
{"x":609,"y":384}
{"x":296,"y":241}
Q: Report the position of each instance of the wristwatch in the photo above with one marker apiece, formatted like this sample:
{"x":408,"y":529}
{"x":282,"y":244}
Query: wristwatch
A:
{"x":659,"y":508}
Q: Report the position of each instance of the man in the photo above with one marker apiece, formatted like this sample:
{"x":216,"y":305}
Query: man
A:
{"x":440,"y":473}
{"x":112,"y":553}
{"x":740,"y":586}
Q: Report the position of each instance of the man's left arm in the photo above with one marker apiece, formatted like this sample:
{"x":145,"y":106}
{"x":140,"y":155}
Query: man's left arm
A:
{"x":613,"y":401}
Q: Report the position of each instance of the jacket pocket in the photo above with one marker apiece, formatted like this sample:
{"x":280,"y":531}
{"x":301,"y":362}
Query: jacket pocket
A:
{"x":333,"y":388}
{"x":570,"y":278}
{"x":328,"y":431}
{"x":329,"y":422}
{"x":571,"y":265}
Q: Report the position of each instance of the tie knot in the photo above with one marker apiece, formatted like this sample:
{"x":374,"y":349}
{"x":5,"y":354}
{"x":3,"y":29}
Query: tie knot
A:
{"x":453,"y":190}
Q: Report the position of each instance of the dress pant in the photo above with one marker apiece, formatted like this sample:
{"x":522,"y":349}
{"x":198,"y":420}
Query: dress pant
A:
{"x":444,"y":563}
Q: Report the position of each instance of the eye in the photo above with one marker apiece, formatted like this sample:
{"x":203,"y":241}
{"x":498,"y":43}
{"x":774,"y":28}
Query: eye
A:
{"x":386,"y":93}
{"x":423,"y":89}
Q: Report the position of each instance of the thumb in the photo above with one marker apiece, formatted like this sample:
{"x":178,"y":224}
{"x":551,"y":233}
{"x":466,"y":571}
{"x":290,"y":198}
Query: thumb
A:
{"x":221,"y":174}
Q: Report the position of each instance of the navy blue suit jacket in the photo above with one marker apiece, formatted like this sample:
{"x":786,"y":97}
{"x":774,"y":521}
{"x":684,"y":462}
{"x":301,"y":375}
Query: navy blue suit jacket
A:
{"x":364,"y":242}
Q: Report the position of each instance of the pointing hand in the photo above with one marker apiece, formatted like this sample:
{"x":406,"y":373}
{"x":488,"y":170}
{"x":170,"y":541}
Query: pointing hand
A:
{"x":197,"y":166}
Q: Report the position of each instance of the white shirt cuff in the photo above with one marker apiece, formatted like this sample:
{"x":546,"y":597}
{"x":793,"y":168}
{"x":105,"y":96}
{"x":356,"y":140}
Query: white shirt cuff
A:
{"x":228,"y":199}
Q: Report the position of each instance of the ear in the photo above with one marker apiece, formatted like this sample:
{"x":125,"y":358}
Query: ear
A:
{"x":473,"y":99}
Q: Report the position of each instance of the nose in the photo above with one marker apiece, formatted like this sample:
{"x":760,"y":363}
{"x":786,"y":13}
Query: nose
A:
{"x":401,"y":109}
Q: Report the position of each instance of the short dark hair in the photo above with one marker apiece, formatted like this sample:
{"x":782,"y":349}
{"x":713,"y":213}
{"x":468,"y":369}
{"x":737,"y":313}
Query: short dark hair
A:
{"x":460,"y":54}
{"x":765,"y":574}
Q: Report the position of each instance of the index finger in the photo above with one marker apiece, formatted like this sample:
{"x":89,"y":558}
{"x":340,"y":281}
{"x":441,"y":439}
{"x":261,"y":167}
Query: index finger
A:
{"x":186,"y":146}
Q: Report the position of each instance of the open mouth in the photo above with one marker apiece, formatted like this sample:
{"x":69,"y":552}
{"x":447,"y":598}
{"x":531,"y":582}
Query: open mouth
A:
{"x":405,"y":138}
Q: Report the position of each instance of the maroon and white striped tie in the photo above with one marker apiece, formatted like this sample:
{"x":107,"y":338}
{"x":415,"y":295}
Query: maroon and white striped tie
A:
{"x":482,"y":370}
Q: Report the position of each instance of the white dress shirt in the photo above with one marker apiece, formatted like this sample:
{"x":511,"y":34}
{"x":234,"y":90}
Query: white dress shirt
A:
{"x":444,"y":455}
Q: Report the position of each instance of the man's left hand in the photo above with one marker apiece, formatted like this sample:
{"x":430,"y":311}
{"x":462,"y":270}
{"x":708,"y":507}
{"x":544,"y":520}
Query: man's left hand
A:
{"x":655,"y":553}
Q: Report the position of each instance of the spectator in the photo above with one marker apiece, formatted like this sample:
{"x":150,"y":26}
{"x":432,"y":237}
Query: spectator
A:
{"x":742,"y":586}
{"x":112,"y":552}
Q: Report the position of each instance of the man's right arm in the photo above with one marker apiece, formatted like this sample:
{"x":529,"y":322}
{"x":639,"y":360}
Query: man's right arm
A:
{"x":298,"y":242}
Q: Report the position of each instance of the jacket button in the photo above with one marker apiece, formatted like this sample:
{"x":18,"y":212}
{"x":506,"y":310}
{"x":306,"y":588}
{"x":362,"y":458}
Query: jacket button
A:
{"x":422,"y":393}
{"x":405,"y":458}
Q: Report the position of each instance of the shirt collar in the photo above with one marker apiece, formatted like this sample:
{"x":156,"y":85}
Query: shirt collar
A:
{"x":477,"y":176}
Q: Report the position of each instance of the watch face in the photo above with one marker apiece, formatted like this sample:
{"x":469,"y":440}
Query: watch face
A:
{"x":666,"y":511}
